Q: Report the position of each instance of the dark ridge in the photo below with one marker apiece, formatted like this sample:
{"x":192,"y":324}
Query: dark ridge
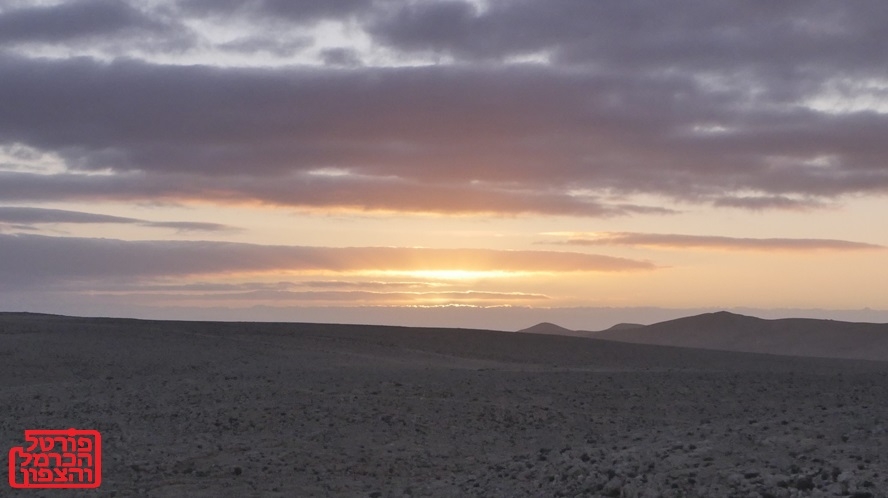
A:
{"x":626,"y":326}
{"x":789,"y":336}
{"x":547,"y":328}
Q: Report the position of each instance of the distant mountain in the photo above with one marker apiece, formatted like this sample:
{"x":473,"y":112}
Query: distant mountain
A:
{"x":624,"y":326}
{"x":551,"y":329}
{"x":547,"y":328}
{"x":790,"y":336}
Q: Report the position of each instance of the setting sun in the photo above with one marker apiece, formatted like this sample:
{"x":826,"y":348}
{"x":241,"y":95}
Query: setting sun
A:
{"x":465,"y":275}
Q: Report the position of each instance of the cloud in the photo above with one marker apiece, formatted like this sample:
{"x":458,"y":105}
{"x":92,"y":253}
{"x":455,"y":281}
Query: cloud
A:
{"x":225,"y":288}
{"x":272,"y":45}
{"x":339,"y":284}
{"x":28,"y":259}
{"x":90,"y":21}
{"x":451,"y":26}
{"x":341,"y":56}
{"x":188,"y":226}
{"x":718,"y":36}
{"x":293,"y":11}
{"x":764,"y":202}
{"x":349,"y":192}
{"x":292,"y":293}
{"x":355,"y":296}
{"x":204,"y":287}
{"x":29,"y":216}
{"x":752,"y":107}
{"x":679,"y":241}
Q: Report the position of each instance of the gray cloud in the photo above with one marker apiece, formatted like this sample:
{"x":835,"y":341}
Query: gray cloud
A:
{"x":451,"y":26}
{"x":96,"y":21}
{"x":208,"y":288}
{"x":307,"y":191}
{"x":28,"y":259}
{"x":188,"y":226}
{"x":69,"y":20}
{"x":681,"y":241}
{"x":294,"y":11}
{"x":765,"y":202}
{"x":356,"y":296}
{"x":269,"y":44}
{"x":697,"y":102}
{"x":788,"y":39}
{"x":341,"y":56}
{"x":339,"y":284}
{"x":28,"y":216}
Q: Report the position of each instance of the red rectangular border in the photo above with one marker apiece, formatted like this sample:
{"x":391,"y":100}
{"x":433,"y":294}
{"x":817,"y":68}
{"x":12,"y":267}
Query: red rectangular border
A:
{"x":96,"y":455}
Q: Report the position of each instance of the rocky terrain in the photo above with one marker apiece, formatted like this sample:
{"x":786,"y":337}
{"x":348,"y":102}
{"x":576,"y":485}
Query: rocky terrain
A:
{"x":242,"y":409}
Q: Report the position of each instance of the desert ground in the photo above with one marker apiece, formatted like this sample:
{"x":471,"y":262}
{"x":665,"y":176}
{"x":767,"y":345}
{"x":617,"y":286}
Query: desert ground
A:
{"x":199,"y":409}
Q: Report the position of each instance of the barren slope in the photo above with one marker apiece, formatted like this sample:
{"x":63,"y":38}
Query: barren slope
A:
{"x":241,"y":410}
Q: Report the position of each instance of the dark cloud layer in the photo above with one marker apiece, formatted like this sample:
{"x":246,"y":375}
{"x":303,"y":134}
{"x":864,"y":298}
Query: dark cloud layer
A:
{"x":71,"y":20}
{"x":30,"y":216}
{"x":682,"y":241}
{"x":698,"y":102}
{"x":294,"y":11}
{"x":308,"y":191}
{"x":783,"y":38}
{"x":356,"y":297}
{"x":26,"y":259}
{"x":93,"y":21}
{"x":225,"y":288}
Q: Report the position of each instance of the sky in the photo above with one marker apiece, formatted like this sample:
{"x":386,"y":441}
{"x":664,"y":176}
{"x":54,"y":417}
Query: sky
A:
{"x":488,"y":163}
